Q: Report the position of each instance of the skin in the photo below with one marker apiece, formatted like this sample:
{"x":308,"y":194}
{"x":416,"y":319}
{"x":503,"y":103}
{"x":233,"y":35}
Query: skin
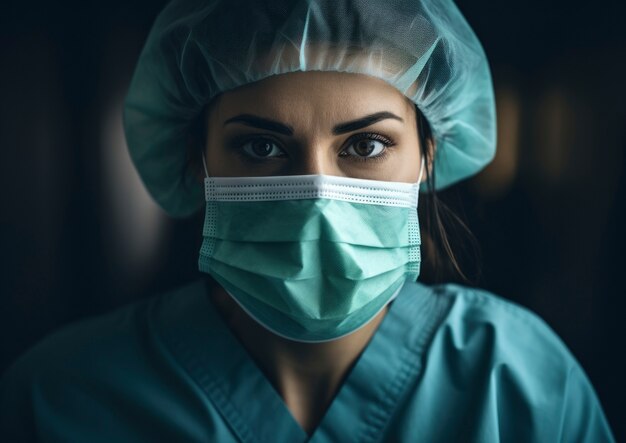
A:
{"x":311,"y":104}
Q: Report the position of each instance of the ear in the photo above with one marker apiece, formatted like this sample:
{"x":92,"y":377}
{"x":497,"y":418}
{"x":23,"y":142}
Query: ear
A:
{"x":199,"y":174}
{"x":432,"y":149}
{"x":199,"y":139}
{"x":194,"y":148}
{"x":430,"y":156}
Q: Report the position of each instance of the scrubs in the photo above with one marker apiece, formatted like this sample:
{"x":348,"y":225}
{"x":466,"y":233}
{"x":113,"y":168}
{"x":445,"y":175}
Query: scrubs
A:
{"x":447,"y":364}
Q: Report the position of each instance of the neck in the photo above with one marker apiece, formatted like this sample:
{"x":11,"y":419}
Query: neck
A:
{"x":306,"y":375}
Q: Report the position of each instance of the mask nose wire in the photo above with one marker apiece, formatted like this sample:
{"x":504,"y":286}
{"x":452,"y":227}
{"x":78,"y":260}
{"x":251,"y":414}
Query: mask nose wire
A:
{"x":206,"y":172}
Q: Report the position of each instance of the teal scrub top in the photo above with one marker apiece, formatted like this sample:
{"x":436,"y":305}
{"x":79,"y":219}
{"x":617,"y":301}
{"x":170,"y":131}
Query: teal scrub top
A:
{"x":447,"y":364}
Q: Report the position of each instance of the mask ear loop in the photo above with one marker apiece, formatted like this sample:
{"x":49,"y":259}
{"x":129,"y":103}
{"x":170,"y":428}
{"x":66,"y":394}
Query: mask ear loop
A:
{"x":419,"y":180}
{"x":206,"y":172}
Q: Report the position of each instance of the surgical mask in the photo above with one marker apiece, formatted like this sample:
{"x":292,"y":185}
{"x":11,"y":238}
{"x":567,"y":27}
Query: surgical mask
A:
{"x":311,"y":257}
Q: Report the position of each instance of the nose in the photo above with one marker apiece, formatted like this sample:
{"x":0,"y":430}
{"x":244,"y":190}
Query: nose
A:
{"x":315,"y":160}
{"x":309,"y":165}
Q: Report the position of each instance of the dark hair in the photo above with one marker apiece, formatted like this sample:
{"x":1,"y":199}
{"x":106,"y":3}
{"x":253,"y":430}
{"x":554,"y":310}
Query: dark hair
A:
{"x":440,"y":261}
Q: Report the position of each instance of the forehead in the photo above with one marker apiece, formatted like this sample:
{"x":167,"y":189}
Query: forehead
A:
{"x":319,"y":94}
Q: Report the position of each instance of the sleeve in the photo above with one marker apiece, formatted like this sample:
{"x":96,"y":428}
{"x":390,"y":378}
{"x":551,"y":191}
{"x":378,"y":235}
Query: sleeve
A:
{"x":583,"y":419}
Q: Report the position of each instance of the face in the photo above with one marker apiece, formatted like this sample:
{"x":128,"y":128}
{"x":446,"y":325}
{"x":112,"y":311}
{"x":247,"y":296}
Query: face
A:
{"x":314,"y":122}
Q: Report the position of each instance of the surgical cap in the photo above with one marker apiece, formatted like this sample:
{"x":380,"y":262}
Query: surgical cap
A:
{"x":200,"y":48}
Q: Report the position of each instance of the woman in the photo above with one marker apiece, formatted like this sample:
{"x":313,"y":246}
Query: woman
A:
{"x":318,"y":124}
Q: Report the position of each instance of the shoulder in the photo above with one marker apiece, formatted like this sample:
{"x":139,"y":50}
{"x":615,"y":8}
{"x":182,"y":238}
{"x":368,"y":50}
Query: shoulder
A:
{"x":482,"y":330}
{"x":510,"y":332}
{"x":84,"y":362}
{"x":84,"y":342}
{"x":113,"y":334}
{"x":503,"y":359}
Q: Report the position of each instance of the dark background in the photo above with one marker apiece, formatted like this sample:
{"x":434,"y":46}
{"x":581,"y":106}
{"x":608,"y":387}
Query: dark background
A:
{"x":79,"y":236}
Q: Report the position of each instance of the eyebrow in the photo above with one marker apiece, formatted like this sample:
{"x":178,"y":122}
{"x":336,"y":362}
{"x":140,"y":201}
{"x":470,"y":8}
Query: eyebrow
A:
{"x":274,"y":126}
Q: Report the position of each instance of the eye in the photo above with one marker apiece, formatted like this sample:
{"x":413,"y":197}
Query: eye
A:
{"x":260,"y":148}
{"x":367,"y":146}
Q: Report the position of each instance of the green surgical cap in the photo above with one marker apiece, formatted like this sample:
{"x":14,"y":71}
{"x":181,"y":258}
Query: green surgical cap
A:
{"x":197,"y":49}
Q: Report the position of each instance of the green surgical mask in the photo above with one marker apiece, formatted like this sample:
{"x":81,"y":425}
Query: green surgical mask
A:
{"x":311,"y":257}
